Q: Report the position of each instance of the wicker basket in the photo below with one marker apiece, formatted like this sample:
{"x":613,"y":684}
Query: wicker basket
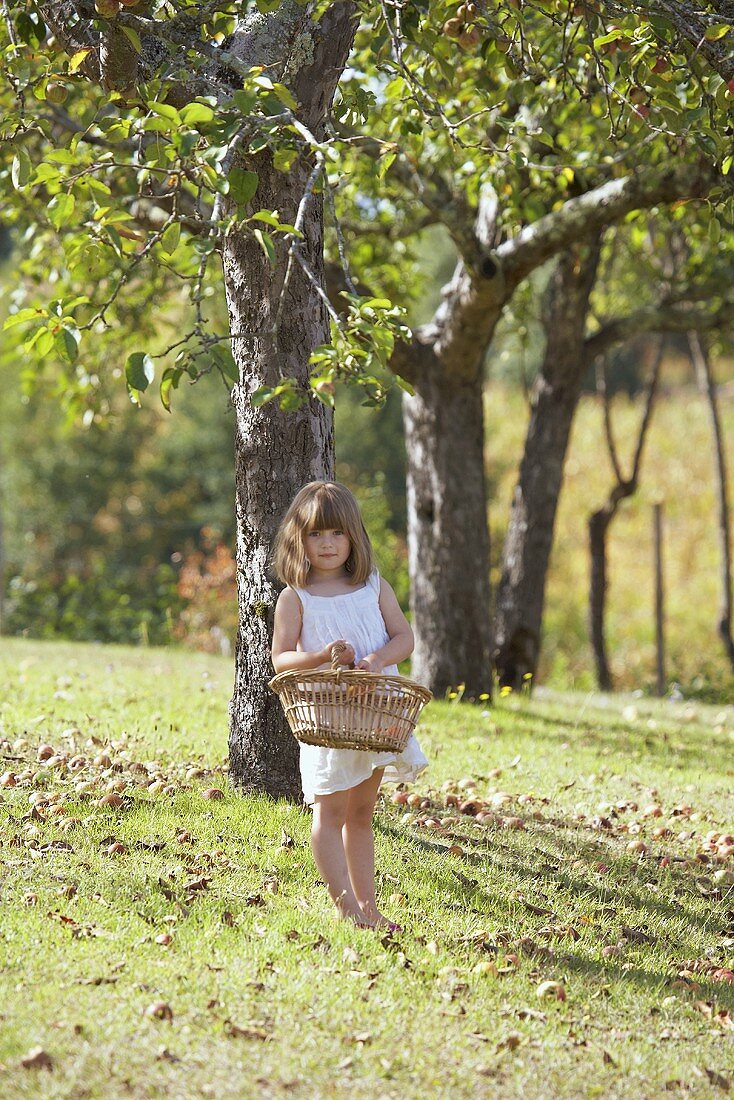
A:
{"x":346,"y":709}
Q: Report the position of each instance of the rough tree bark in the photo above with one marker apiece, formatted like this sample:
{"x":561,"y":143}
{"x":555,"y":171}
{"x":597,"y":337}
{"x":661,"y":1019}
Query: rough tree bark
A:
{"x":601,"y":520}
{"x":554,"y":400}
{"x":275,"y":452}
{"x":707,"y":386}
{"x":448,"y":538}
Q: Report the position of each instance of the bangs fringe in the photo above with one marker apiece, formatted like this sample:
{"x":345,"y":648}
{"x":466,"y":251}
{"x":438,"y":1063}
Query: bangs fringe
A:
{"x":324,"y":514}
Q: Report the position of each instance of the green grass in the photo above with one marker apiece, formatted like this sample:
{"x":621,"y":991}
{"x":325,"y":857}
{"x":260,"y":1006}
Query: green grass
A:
{"x":325,"y":1009}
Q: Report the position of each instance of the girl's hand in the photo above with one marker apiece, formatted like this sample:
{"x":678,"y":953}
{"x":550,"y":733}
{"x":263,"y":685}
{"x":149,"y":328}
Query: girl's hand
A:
{"x":370,"y":663}
{"x":340,"y":653}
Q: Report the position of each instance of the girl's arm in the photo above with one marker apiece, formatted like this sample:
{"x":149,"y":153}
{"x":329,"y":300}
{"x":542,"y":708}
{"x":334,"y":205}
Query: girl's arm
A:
{"x":401,"y":641}
{"x":287,"y":631}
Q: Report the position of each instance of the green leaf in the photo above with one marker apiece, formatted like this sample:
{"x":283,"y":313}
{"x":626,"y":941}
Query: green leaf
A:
{"x":284,"y":158}
{"x":133,"y":37}
{"x":170,"y":380}
{"x":46,"y":173}
{"x":384,"y":164}
{"x":267,"y":216}
{"x":24,"y":315}
{"x":244,"y":101}
{"x":67,"y":345}
{"x":226,"y":363}
{"x":158,"y":125}
{"x":611,"y":37}
{"x":61,"y":156}
{"x":196,"y":112}
{"x":290,"y":401}
{"x":97,"y":187}
{"x":242,"y":185}
{"x":44,"y":342}
{"x":21,"y":171}
{"x":170,"y":239}
{"x":77,"y":60}
{"x":61,"y":209}
{"x":726,"y":165}
{"x":285,"y":96}
{"x":405,"y":385}
{"x":376,"y":303}
{"x":229,"y":369}
{"x":261,"y":396}
{"x":717,"y":31}
{"x":266,"y":243}
{"x":139,"y":370}
{"x":165,"y":110}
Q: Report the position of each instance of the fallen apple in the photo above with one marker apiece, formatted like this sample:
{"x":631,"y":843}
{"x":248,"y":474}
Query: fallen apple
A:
{"x":554,"y":990}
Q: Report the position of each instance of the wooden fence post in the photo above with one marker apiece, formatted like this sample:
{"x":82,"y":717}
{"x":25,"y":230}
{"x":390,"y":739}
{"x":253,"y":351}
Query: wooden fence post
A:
{"x":659,"y":599}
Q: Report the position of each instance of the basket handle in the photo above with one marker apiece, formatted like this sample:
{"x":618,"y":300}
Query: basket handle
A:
{"x":336,"y":650}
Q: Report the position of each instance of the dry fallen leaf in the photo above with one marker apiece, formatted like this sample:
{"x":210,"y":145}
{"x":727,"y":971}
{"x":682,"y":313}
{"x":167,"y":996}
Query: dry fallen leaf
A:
{"x":510,"y":1042}
{"x":251,"y":1031}
{"x":717,"y":1079}
{"x":37,"y":1058}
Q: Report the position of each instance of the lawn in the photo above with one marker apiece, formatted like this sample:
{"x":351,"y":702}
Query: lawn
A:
{"x":167,"y":944}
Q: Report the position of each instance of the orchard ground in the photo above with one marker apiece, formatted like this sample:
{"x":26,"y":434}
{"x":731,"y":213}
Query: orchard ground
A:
{"x":566,"y":895}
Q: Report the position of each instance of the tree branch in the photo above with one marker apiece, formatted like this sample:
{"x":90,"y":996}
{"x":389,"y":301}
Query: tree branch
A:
{"x":661,"y":317}
{"x":604,"y":205}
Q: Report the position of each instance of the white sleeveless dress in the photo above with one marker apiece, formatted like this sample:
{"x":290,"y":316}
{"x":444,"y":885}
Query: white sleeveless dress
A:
{"x":356,"y":617}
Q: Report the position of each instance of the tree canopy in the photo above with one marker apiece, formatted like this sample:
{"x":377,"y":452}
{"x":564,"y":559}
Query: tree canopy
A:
{"x":128,"y":130}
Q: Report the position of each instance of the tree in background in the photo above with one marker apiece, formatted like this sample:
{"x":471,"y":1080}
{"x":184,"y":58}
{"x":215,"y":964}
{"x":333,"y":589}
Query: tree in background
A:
{"x":600,"y":522}
{"x":646,"y":296}
{"x":701,"y":360}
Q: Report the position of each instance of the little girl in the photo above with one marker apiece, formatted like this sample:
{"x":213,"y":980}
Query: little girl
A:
{"x":337,"y":605}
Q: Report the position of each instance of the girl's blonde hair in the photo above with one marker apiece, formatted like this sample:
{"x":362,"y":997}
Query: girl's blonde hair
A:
{"x":321,"y":506}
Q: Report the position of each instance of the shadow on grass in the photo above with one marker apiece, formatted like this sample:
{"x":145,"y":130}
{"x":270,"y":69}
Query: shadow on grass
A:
{"x":682,"y":742}
{"x":629,"y":908}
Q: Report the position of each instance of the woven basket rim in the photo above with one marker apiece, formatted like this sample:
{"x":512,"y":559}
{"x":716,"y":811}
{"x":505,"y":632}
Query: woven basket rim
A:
{"x":348,"y":676}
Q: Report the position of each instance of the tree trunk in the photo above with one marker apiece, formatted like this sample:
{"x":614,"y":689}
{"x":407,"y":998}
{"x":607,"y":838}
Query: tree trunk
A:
{"x":276,"y":453}
{"x":601,"y":520}
{"x":448,"y":538}
{"x":555,"y":395}
{"x":707,"y":386}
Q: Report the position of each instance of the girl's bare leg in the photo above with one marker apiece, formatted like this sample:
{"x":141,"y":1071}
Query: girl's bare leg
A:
{"x":329,"y":814}
{"x":359,"y":845}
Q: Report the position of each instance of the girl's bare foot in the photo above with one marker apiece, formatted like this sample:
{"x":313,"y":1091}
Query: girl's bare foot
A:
{"x":356,"y":915}
{"x":378,"y":919}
